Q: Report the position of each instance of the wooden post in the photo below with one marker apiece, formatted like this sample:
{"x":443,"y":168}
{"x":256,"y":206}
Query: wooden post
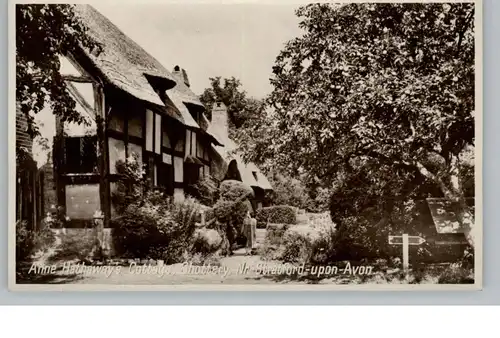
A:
{"x":103,"y":162}
{"x":405,"y":253}
{"x":59,"y":163}
{"x":99,"y":230}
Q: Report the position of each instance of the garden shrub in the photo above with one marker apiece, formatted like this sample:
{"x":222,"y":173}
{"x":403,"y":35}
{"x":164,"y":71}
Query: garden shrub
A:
{"x":295,"y":192}
{"x":456,"y":275}
{"x":131,"y":185}
{"x":149,"y":224}
{"x":275,"y":233}
{"x":159,"y":230}
{"x":207,"y":190}
{"x":24,"y":241}
{"x":230,"y":211}
{"x":296,"y":248}
{"x":206,"y":241}
{"x":209,"y":214}
{"x":77,"y":247}
{"x":283,"y":214}
{"x":30,"y":241}
{"x":232,"y":190}
{"x":326,"y":247}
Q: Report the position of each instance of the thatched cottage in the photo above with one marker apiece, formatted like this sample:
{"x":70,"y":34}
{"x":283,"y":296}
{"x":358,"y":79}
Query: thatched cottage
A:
{"x":133,"y":105}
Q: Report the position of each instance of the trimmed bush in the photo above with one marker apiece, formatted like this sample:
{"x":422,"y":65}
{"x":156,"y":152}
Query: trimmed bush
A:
{"x":206,"y":241}
{"x":230,"y":211}
{"x":283,"y":214}
{"x":232,"y":190}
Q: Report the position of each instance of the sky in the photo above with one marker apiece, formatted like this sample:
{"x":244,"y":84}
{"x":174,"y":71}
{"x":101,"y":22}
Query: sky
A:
{"x":208,"y":40}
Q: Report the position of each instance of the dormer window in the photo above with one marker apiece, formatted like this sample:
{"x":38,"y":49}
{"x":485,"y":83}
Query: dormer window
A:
{"x":254,"y":173}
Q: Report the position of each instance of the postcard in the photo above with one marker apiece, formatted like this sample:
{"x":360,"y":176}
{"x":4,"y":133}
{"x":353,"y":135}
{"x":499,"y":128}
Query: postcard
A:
{"x":245,"y":146}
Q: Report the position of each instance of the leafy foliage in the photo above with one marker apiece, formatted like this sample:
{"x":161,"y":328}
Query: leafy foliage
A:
{"x":149,"y":224}
{"x":232,"y":190}
{"x":131,"y":185}
{"x":456,"y":275}
{"x":292,"y":191}
{"x":376,"y":101}
{"x":281,"y":214}
{"x":242,"y":111}
{"x":43,"y":33}
{"x":207,"y":190}
{"x":29,"y":241}
{"x":154,"y":229}
{"x":230,"y":211}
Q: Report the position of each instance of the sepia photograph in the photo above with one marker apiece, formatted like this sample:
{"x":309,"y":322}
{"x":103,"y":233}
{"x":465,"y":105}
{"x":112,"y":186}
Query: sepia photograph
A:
{"x":245,"y":146}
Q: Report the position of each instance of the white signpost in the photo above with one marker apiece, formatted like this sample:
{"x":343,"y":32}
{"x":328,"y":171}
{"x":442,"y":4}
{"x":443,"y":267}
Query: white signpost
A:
{"x":406,"y":241}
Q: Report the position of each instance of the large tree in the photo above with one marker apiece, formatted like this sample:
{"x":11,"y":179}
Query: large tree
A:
{"x":382,"y":93}
{"x":43,"y":33}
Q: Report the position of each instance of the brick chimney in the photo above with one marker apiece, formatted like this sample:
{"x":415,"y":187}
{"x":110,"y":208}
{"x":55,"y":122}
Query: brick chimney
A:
{"x":220,"y":118}
{"x":181,"y":74}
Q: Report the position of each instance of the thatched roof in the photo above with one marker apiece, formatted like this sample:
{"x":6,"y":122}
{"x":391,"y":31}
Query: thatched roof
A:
{"x":127,"y":66}
{"x":227,"y":152}
{"x":122,"y":61}
{"x":444,"y":215}
{"x":192,"y":160}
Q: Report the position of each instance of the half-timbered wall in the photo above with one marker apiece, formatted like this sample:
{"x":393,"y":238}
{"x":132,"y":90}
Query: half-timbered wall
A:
{"x":159,"y":142}
{"x":76,"y":148}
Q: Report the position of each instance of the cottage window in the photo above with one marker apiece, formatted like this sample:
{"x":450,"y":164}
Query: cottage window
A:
{"x":178,"y":169}
{"x":165,"y":177}
{"x":191,"y":177}
{"x":179,"y":146}
{"x":116,"y":153}
{"x":173,"y":135}
{"x":116,"y":122}
{"x":158,"y":135}
{"x":199,"y":147}
{"x":81,"y":154}
{"x":165,"y":140}
{"x":149,"y":130}
{"x":135,"y":125}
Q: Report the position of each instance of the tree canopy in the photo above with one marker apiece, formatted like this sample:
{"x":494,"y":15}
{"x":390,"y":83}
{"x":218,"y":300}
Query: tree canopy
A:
{"x":379,"y":94}
{"x":243,"y":111}
{"x":43,"y":33}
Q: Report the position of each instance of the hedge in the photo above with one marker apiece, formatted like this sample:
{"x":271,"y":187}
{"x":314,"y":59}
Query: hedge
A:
{"x":283,"y":214}
{"x":232,"y":190}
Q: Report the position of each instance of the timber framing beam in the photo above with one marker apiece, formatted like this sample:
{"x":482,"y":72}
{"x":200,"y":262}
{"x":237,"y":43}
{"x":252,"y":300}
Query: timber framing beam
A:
{"x":74,"y":78}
